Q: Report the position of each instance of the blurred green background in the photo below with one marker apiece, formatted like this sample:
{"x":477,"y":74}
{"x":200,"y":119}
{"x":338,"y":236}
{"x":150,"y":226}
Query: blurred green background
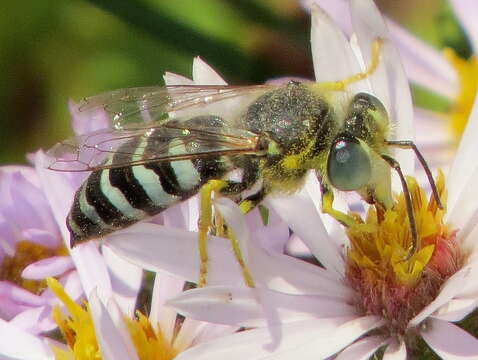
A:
{"x":55,"y":50}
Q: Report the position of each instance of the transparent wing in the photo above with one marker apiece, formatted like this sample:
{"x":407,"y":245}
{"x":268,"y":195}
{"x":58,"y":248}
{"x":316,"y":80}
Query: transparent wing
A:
{"x":136,"y":145}
{"x":142,"y":105}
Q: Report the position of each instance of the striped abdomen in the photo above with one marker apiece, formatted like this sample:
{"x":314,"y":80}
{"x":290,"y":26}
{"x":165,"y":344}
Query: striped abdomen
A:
{"x":112,"y":199}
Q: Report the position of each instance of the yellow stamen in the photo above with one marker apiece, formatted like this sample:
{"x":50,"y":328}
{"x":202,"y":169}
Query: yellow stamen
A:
{"x":78,"y":332}
{"x":388,"y":283}
{"x":27,"y":253}
{"x":467,"y":73}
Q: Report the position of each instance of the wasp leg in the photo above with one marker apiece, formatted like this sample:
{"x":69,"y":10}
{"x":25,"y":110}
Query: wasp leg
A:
{"x":205,"y":223}
{"x":408,"y":144}
{"x":327,"y":208}
{"x":408,"y":201}
{"x":340,"y":85}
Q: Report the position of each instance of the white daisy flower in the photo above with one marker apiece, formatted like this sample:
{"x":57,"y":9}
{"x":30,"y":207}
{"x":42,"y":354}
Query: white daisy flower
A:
{"x":441,"y":72}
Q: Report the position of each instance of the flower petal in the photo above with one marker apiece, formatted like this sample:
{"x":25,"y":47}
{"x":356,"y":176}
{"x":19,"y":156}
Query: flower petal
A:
{"x":362,"y":349}
{"x":389,"y":81}
{"x":53,"y":266}
{"x":300,"y":213}
{"x":332,"y":55}
{"x":204,"y":74}
{"x":395,"y":351}
{"x":243,"y":306}
{"x":35,"y":320}
{"x":449,"y":289}
{"x":449,"y":341}
{"x":175,"y":79}
{"x":466,"y":11}
{"x":125,"y":281}
{"x":461,"y":174}
{"x":110,"y":339}
{"x":18,"y":344}
{"x":156,"y":248}
{"x":309,"y":339}
{"x":456,"y":309}
{"x":165,"y":287}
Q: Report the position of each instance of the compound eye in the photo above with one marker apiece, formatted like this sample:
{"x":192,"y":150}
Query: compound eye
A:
{"x":348,"y":166}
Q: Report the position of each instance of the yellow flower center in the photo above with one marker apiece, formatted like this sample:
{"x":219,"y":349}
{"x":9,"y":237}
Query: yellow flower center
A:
{"x":467,"y":73}
{"x":24,"y":254}
{"x":79,"y":334}
{"x":390,"y":284}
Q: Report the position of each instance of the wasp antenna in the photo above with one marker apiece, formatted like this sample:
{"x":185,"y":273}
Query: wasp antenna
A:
{"x":408,"y":144}
{"x":408,"y":201}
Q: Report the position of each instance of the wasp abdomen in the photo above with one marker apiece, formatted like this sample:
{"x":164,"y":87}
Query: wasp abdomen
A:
{"x":114,"y":198}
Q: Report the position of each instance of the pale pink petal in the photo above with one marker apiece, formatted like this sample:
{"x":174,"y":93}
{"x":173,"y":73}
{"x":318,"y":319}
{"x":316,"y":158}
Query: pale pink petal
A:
{"x":204,"y":74}
{"x":310,"y":339}
{"x":362,"y":349}
{"x":389,"y":81}
{"x":59,"y":192}
{"x":165,"y":287}
{"x":42,"y":237}
{"x":449,"y":341}
{"x":125,"y":281}
{"x":234,"y":219}
{"x":449,"y":289}
{"x":110,"y":339}
{"x":461,"y":172}
{"x":395,"y":351}
{"x":92,"y":269}
{"x":212,"y":331}
{"x":71,"y":284}
{"x":243,"y":306}
{"x":331,"y":53}
{"x":300,"y":213}
{"x":155,"y":248}
{"x":19,"y":344}
{"x":175,"y":79}
{"x":466,"y":11}
{"x":187,"y":333}
{"x":84,"y":122}
{"x":456,"y":309}
{"x":19,"y":295}
{"x":296,"y":276}
{"x":35,"y":320}
{"x":53,"y":266}
{"x":423,"y":64}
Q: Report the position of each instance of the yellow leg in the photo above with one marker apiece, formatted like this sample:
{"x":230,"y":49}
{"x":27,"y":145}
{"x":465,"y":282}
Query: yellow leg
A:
{"x":327,"y":207}
{"x":246,"y":275}
{"x":205,"y":223}
{"x":372,"y":66}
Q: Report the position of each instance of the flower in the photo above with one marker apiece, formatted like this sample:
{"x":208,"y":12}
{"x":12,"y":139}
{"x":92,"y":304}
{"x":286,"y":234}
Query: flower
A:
{"x":34,"y":240}
{"x":99,"y":330}
{"x":443,"y":73}
{"x":370,"y":295}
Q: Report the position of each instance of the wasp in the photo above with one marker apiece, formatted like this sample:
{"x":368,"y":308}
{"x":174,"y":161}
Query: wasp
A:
{"x":166,"y":144}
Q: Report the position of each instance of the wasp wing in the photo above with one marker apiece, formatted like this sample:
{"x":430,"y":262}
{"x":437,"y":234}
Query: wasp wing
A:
{"x":124,"y":107}
{"x":160,"y":114}
{"x":141,"y":145}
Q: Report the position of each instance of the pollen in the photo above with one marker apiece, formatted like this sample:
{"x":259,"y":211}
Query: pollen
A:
{"x":24,"y":254}
{"x":389,"y":282}
{"x":467,"y":74}
{"x":77,"y":329}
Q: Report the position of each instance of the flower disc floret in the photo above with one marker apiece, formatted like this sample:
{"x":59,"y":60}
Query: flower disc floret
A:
{"x":388,"y":281}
